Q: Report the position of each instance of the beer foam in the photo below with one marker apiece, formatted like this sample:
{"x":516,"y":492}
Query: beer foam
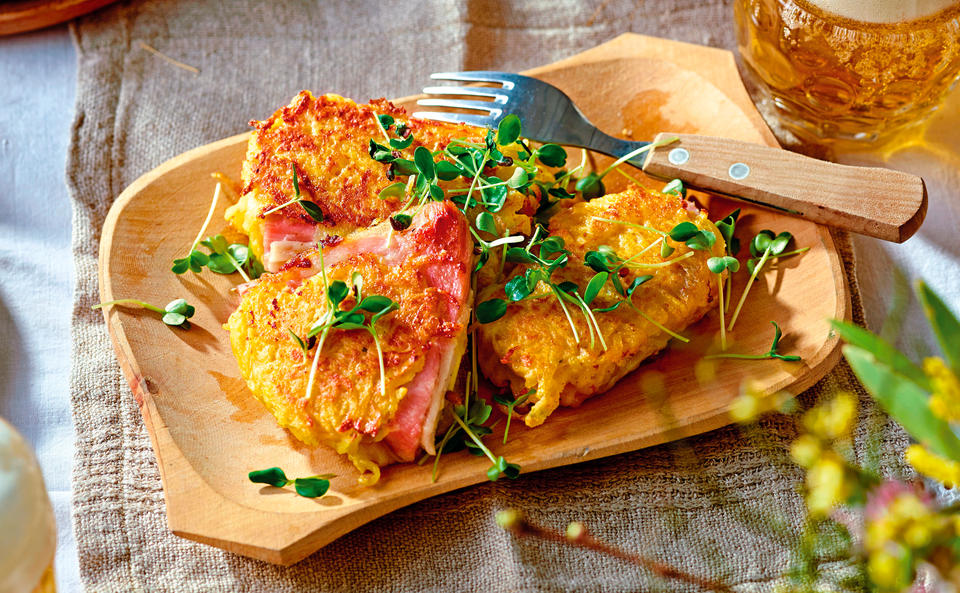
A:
{"x":883,"y":11}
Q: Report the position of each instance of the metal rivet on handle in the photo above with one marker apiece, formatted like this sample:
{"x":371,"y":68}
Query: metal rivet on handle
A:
{"x":739,"y":171}
{"x":678,"y":156}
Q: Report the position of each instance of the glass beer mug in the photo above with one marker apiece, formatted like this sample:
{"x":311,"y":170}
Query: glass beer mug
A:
{"x":848,"y":71}
{"x":28,"y":534}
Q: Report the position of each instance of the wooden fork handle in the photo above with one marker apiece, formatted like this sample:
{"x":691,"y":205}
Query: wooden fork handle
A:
{"x":870,"y":201}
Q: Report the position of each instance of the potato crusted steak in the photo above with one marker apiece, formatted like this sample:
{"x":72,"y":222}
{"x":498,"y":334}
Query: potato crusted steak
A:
{"x":426,"y":271}
{"x":327,"y":139}
{"x":532,"y":346}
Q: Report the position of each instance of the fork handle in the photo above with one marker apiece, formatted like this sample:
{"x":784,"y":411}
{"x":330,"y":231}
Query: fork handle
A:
{"x":870,"y":201}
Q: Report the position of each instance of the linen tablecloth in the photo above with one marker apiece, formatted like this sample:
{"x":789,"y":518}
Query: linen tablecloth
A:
{"x":723,"y":505}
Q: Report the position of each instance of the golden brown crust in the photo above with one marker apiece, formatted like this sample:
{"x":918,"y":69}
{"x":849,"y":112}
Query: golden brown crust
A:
{"x":532,"y":346}
{"x":327,"y":139}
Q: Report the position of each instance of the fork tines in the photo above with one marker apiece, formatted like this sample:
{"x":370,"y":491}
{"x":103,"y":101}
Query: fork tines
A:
{"x":494,"y":107}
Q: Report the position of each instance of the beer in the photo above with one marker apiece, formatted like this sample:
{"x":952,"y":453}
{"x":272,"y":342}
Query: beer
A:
{"x":848,"y":70}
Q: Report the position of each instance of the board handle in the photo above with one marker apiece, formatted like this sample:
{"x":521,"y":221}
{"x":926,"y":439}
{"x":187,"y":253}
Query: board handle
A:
{"x":880,"y":203}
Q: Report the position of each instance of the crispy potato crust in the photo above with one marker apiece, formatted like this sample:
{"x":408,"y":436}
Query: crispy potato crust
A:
{"x":327,"y":139}
{"x":532,"y":346}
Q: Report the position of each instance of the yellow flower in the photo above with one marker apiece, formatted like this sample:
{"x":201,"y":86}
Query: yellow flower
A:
{"x":945,"y":400}
{"x":932,"y":465}
{"x":889,"y":571}
{"x":806,"y":450}
{"x":753,"y":401}
{"x":827,"y":484}
{"x":832,"y":419}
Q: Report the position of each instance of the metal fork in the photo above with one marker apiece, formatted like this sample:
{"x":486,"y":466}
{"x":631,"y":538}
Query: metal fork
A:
{"x":877,"y":202}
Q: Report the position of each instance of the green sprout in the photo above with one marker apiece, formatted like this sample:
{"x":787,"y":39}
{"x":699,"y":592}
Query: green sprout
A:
{"x":312,"y":209}
{"x":718,"y":265}
{"x":175,"y":314}
{"x":312,"y":487}
{"x":770,"y":354}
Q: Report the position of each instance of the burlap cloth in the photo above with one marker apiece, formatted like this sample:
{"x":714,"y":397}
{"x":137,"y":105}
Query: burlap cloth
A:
{"x":723,"y":505}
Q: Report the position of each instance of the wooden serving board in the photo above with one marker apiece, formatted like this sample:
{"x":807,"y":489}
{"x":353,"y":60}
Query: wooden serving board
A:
{"x":27,"y":15}
{"x":208,"y":431}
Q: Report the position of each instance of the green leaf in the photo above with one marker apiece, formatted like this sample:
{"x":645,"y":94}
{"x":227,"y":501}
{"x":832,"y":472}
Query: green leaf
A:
{"x":518,"y":179}
{"x":376,"y":303}
{"x":490,"y":311}
{"x":337,"y":291}
{"x":400,"y":221}
{"x":296,"y":181}
{"x":436,"y":192}
{"x":551,"y":245}
{"x":424,"y":161}
{"x":590,"y":186}
{"x":386,"y":120}
{"x":486,"y":223}
{"x":675,"y":187}
{"x":883,"y":351}
{"x":394,"y":190}
{"x":494,"y":197}
{"x":180,"y":266}
{"x":760,"y":242}
{"x":180,"y":306}
{"x":379,"y":153}
{"x":518,"y":255}
{"x":597,"y":261}
{"x":560,"y":193}
{"x":311,"y":487}
{"x":401,"y":143}
{"x":174,"y":319}
{"x":239,"y":252}
{"x":595,"y":286}
{"x":216,"y":244}
{"x":273,"y":476}
{"x":637,"y":282}
{"x":552,"y":155}
{"x":403,"y":166}
{"x":666,"y":250}
{"x":312,"y":210}
{"x":508,"y":131}
{"x":943,"y":322}
{"x":219,"y":263}
{"x":683,"y":231}
{"x":779,"y":244}
{"x":702,"y":241}
{"x":447,"y":171}
{"x":718,"y":264}
{"x":905,"y":401}
{"x":517,"y":288}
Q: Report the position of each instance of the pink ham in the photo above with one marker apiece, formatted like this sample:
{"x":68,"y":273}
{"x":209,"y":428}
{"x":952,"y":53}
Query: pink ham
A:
{"x":438,"y":231}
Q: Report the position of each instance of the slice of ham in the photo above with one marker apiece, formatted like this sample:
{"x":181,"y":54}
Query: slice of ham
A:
{"x":283,"y":238}
{"x":440,"y":233}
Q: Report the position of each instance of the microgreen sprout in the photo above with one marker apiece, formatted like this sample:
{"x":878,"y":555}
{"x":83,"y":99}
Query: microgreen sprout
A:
{"x":196,"y":259}
{"x":605,"y":260}
{"x":551,"y":257}
{"x":763,"y":246}
{"x":312,"y":487}
{"x":771,"y":354}
{"x":727,"y":227}
{"x":718,"y":265}
{"x":336,"y":319}
{"x":312,"y":210}
{"x":175,"y":314}
{"x":591,"y":186}
{"x":507,"y":400}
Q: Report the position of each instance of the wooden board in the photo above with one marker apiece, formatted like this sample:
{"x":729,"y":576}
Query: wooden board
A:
{"x":28,"y":15}
{"x":208,"y":430}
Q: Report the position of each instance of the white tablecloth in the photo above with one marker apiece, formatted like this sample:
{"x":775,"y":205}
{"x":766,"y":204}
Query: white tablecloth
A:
{"x":37,"y":88}
{"x":37,"y":82}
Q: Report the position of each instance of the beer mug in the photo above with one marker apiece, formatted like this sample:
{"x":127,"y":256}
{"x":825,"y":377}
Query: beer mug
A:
{"x":848,"y":71}
{"x":28,"y":533}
